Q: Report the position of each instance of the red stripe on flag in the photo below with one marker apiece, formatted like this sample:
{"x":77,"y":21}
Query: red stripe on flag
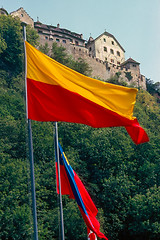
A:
{"x":65,"y":185}
{"x":53,"y":103}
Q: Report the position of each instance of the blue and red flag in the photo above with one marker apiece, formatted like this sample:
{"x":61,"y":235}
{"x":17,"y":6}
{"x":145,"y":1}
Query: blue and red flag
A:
{"x":71,"y":185}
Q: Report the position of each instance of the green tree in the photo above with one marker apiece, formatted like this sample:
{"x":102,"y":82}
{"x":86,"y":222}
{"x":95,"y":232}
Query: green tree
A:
{"x":59,"y":53}
{"x":11,"y":56}
{"x":81,"y":66}
{"x":32,"y":36}
{"x":3,"y":44}
{"x":128,"y":76}
{"x":153,"y":88}
{"x":44,"y":48}
{"x":145,"y":214}
{"x":116,"y":80}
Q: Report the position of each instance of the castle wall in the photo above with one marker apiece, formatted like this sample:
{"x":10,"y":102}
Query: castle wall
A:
{"x":108,"y":50}
{"x":98,"y":66}
{"x":100,"y":69}
{"x":23,"y":16}
{"x":60,"y":35}
{"x":103,"y":70}
{"x":104,"y":54}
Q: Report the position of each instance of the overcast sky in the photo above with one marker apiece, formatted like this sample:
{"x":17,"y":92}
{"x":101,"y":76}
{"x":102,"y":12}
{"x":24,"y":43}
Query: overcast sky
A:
{"x":135,"y":24}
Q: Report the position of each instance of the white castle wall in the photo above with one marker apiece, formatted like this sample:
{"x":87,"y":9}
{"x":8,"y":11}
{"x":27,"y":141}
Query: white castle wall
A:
{"x":100,"y":69}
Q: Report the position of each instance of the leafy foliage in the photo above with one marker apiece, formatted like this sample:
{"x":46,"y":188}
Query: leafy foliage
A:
{"x":11,"y":49}
{"x":128,"y":76}
{"x":153,"y":88}
{"x":32,"y":36}
{"x":123,"y":179}
{"x":11,"y":45}
{"x":44,"y":48}
{"x":117,"y":80}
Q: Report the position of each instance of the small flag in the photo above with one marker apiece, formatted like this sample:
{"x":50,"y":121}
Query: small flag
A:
{"x":91,"y":235}
{"x":71,"y":185}
{"x":58,"y":93}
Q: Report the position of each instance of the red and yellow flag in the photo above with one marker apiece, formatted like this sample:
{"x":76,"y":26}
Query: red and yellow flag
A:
{"x":58,"y":93}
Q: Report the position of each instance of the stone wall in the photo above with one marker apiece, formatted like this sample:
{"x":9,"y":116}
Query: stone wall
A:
{"x":104,"y":71}
{"x":23,"y":16}
{"x":100,"y":69}
{"x":106,"y":48}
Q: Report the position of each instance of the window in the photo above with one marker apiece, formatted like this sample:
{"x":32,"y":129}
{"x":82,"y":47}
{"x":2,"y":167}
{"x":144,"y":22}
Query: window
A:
{"x":22,"y":15}
{"x":46,"y":38}
{"x":57,"y":39}
{"x":90,"y":49}
{"x":76,"y":43}
{"x":64,"y":41}
{"x":104,"y":39}
{"x":112,"y":60}
{"x":105,"y":49}
{"x":134,"y":65}
{"x":105,"y":58}
{"x":118,"y":63}
{"x":112,"y":42}
{"x":118,"y":53}
{"x":111,"y":50}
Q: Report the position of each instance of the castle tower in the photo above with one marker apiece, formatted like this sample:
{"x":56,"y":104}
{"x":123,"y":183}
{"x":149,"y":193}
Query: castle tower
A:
{"x":106,"y":48}
{"x":23,"y":16}
{"x":132,"y":65}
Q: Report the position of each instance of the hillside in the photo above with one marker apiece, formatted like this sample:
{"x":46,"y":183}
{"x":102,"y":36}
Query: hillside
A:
{"x":123,"y":179}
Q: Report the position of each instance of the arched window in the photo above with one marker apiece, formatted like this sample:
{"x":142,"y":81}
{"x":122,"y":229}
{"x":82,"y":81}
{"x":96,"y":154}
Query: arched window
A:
{"x":118,"y":53}
{"x":111,"y":50}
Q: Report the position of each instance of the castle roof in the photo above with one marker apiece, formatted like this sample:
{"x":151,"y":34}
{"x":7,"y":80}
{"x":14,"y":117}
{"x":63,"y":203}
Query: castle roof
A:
{"x":129,"y":60}
{"x":57,"y":29}
{"x":110,"y":35}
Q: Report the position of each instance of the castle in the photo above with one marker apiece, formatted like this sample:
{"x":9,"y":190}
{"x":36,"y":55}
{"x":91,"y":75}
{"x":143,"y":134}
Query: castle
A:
{"x":105,"y":55}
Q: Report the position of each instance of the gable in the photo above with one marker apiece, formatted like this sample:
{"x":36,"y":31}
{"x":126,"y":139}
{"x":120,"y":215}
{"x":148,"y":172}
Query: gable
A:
{"x":23,"y":16}
{"x":103,"y":35}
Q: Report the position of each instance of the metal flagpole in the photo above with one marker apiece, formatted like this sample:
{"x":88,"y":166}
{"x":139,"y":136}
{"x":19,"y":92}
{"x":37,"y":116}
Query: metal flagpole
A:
{"x":32,"y":180}
{"x":31,"y":152}
{"x":59,"y":180}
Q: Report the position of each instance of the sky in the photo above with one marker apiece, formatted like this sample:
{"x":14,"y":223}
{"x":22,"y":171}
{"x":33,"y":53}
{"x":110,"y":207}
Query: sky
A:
{"x":134,"y":23}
